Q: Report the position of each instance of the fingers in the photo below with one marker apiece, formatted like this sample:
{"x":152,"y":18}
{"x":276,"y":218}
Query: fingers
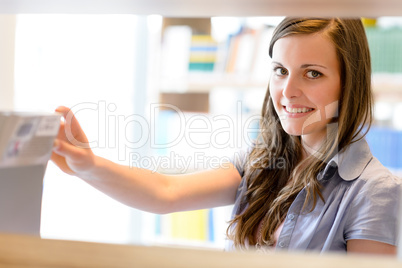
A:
{"x":63,"y":110}
{"x":71,"y":159}
{"x":62,"y":134}
{"x":71,"y":151}
{"x":69,"y":117}
{"x":70,"y":129}
{"x":60,"y":161}
{"x":67,"y":150}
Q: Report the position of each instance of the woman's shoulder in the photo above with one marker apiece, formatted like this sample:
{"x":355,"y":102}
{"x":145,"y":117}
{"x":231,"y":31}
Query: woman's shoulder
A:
{"x":376,"y":172}
{"x":357,"y":163}
{"x":239,"y":159}
{"x":379,"y":180}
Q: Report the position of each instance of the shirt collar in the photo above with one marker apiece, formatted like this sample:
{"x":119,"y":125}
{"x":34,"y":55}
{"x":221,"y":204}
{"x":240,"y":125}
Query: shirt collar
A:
{"x":351,"y":161}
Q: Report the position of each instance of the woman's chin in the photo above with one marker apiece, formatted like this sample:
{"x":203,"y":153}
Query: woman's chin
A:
{"x":292,"y":131}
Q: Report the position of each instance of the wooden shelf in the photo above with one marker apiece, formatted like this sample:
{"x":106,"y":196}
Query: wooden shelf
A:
{"x":207,"y":8}
{"x":25,"y":251}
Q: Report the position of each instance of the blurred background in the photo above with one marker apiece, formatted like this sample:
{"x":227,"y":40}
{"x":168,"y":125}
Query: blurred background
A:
{"x":173,"y":95}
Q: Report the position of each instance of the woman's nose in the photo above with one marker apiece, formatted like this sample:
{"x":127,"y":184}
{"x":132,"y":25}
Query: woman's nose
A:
{"x":291,"y":88}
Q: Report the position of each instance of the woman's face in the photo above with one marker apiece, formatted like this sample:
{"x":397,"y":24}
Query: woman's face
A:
{"x":305,"y":86}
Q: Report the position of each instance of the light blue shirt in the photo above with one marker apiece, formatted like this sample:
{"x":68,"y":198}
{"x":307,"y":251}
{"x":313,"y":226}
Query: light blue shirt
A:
{"x":361,"y":202}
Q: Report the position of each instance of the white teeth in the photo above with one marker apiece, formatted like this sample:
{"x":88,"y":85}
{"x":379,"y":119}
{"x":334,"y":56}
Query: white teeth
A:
{"x":298,"y":110}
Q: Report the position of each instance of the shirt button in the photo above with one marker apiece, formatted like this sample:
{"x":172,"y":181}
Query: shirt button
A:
{"x":281,"y":244}
{"x":291,"y":216}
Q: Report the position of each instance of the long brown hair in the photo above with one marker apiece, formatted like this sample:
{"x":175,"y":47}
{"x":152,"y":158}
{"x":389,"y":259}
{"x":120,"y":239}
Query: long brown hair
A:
{"x":271,"y":188}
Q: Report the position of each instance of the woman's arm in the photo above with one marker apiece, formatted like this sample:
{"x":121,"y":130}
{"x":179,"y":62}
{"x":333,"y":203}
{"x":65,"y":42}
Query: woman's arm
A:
{"x":140,"y":188}
{"x":370,"y":247}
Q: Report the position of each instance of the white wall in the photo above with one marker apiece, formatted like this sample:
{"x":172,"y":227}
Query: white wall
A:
{"x":7,"y":44}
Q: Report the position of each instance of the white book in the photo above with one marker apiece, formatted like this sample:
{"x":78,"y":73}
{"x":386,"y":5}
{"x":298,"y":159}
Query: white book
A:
{"x":26,"y":138}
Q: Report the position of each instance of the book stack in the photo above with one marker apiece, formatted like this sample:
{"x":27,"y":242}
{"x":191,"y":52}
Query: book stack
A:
{"x":247,"y":54}
{"x":202,"y":53}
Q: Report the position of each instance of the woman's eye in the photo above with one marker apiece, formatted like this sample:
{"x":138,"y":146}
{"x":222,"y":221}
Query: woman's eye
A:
{"x":313,"y":74}
{"x":280,"y":71}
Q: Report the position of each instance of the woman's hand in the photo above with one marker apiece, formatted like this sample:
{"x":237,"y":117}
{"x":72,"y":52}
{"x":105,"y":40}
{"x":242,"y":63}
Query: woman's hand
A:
{"x":71,"y":151}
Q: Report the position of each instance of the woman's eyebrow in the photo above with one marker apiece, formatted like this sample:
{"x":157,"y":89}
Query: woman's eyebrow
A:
{"x":276,"y":63}
{"x":303,"y":66}
{"x":312,"y":65}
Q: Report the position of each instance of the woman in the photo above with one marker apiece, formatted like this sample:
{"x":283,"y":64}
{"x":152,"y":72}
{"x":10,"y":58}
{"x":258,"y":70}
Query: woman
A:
{"x":330,"y":194}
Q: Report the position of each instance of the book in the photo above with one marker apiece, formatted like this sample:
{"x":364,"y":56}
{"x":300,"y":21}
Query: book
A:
{"x":202,"y":53}
{"x":27,"y":138}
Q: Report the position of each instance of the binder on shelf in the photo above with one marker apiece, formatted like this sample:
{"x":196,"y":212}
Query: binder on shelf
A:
{"x":26,"y":141}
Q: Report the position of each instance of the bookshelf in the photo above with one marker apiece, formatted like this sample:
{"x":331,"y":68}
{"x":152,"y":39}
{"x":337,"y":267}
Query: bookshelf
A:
{"x":207,"y":8}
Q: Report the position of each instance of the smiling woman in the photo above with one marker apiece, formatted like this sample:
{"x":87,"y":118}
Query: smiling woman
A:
{"x":318,"y":102}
